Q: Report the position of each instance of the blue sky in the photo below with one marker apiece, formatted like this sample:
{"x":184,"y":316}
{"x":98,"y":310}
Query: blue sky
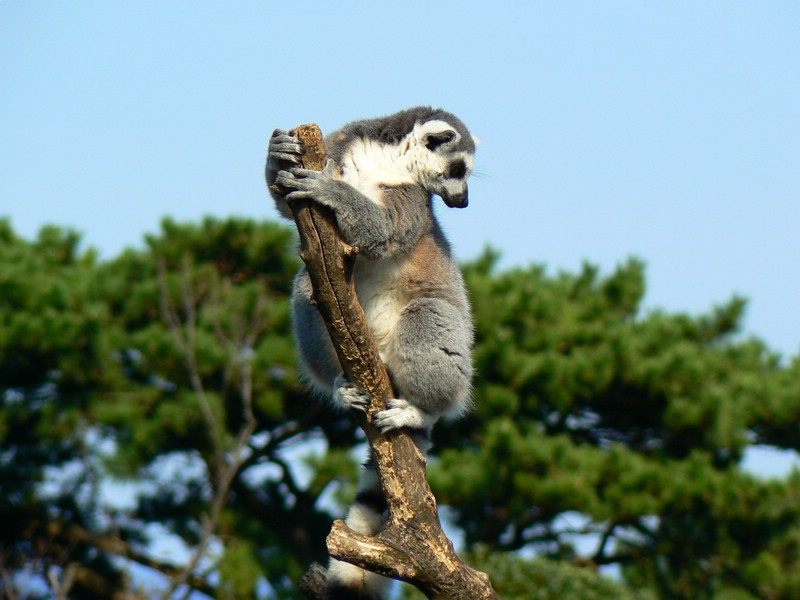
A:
{"x":665,"y":130}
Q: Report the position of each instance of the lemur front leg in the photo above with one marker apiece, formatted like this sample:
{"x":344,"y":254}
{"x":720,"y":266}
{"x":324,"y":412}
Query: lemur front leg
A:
{"x":362,"y":223}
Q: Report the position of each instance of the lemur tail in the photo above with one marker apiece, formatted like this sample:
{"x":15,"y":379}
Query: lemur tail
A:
{"x":367,"y":516}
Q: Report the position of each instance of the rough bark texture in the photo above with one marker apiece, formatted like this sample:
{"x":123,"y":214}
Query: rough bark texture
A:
{"x":412,"y":547}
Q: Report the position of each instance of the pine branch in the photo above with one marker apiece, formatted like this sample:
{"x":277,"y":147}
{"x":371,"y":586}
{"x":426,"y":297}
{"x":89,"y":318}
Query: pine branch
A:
{"x":71,"y":534}
{"x":227,"y":462}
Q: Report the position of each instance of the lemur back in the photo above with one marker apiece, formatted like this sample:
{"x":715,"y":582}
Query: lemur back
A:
{"x":380,"y":181}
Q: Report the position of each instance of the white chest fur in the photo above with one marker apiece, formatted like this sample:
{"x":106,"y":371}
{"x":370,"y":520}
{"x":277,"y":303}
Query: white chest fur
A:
{"x":383,"y":298}
{"x":367,"y":165}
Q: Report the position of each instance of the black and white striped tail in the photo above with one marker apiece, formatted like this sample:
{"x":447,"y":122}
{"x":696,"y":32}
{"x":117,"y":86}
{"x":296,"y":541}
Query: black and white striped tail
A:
{"x":368,"y":516}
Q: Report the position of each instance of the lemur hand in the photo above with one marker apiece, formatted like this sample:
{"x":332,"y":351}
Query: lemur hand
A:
{"x":318,"y":186}
{"x":287,"y":148}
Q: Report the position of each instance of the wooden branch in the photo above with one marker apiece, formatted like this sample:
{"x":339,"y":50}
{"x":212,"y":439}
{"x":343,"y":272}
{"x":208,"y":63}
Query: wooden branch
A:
{"x":413,"y":546}
{"x":222,"y":471}
{"x":70,"y":534}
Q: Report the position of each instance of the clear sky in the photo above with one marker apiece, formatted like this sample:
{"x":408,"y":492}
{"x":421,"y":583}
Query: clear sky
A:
{"x":665,"y":130}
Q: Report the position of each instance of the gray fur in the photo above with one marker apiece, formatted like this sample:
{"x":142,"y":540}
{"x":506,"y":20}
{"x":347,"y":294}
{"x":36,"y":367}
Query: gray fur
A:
{"x":406,"y":277}
{"x":393,"y":128}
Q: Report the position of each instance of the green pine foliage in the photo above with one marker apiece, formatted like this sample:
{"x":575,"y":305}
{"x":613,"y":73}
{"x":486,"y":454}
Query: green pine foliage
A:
{"x":636,"y":421}
{"x":518,"y":578}
{"x":603,"y":435}
{"x":56,"y":363}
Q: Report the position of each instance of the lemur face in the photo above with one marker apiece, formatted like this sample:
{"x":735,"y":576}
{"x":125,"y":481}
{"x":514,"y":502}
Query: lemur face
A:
{"x":446,"y":161}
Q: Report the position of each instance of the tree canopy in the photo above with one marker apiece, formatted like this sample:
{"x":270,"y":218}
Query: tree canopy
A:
{"x":155,"y":396}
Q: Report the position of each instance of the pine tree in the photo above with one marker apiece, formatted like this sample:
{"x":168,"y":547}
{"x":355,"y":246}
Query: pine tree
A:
{"x":593,"y":419}
{"x":603,"y":436}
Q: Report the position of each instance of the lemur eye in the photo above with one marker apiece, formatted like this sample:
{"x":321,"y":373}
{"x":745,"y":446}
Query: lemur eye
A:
{"x":434,"y":140}
{"x":457,"y":170}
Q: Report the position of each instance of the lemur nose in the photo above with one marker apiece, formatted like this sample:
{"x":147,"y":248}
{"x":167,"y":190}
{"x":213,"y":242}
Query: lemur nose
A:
{"x":457,"y":200}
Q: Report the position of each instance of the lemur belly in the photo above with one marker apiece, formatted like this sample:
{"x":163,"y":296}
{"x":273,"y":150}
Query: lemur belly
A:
{"x":383,"y":298}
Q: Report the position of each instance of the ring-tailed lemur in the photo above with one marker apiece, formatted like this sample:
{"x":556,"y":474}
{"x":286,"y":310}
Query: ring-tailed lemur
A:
{"x":380,"y":181}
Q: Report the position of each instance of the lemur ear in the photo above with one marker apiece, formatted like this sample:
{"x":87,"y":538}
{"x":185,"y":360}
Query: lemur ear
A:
{"x":434,"y":140}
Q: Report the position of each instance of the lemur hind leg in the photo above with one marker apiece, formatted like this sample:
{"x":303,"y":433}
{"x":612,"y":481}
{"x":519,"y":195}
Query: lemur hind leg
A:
{"x":429,"y":361}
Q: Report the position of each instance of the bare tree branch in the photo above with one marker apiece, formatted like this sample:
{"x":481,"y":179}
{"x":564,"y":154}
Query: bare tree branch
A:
{"x":66,"y":535}
{"x":227,"y":464}
{"x":62,"y":588}
{"x":184,"y":338}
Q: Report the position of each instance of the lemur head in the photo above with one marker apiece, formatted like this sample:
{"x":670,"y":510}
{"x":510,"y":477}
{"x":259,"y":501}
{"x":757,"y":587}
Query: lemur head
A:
{"x":443,"y":157}
{"x":421,"y":145}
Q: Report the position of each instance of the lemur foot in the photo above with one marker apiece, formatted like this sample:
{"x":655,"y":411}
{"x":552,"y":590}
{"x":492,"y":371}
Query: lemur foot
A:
{"x":401,"y":413}
{"x":349,"y":396}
